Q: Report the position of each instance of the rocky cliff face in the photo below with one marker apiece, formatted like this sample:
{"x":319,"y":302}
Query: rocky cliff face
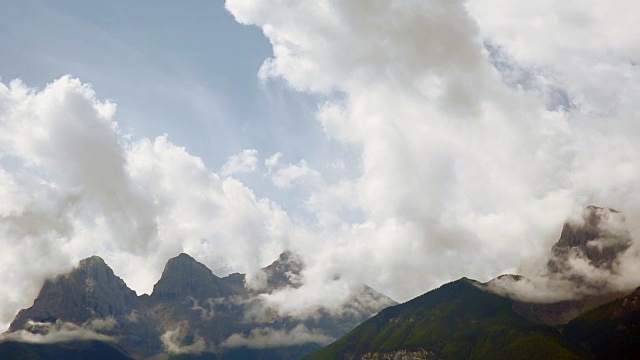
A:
{"x":284,"y":272}
{"x":191,"y":310}
{"x":184,"y":277}
{"x":595,"y":242}
{"x":598,"y":237}
{"x":90,"y":291}
{"x":91,"y":298}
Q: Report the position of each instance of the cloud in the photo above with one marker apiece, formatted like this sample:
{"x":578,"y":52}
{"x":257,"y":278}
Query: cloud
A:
{"x":73,"y":186}
{"x":262,"y":338}
{"x":286,"y":176}
{"x":206,"y":309}
{"x":66,"y":132}
{"x":273,"y":160}
{"x":476,"y":138}
{"x":477,"y":135}
{"x":178,"y":341}
{"x":594,"y":256}
{"x":243,"y":163}
{"x":60,"y":331}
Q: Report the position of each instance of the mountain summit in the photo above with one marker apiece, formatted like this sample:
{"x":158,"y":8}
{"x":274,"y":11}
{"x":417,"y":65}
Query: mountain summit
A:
{"x":190,"y":311}
{"x":91,"y":290}
{"x":466,"y":319}
{"x":184,"y":276}
{"x":599,"y":237}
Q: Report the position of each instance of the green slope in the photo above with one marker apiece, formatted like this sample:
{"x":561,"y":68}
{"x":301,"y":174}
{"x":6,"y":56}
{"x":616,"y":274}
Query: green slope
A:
{"x":611,"y":331}
{"x":456,"y":321}
{"x":244,"y":353}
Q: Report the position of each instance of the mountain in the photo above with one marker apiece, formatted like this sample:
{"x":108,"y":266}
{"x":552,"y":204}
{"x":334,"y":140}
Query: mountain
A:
{"x":184,"y":276}
{"x":467,"y":319}
{"x":460,"y":320}
{"x":90,"y":291}
{"x":596,"y":238}
{"x":611,"y":331}
{"x":191,"y":313}
{"x":595,"y":241}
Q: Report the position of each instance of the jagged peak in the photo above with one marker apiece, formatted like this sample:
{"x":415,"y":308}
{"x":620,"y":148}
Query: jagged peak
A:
{"x":595,"y":223}
{"x":91,"y":262}
{"x":599,"y":236}
{"x":186,"y":264}
{"x":185,"y":276}
{"x":183,"y":257}
{"x":288,"y":257}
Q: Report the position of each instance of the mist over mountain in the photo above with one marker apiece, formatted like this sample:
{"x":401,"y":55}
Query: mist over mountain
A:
{"x":467,"y":319}
{"x":190,"y":311}
{"x":400,"y":144}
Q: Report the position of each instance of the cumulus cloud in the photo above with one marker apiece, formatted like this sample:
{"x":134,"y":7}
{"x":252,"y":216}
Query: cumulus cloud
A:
{"x":262,"y":338}
{"x":73,"y":186}
{"x":286,"y":176}
{"x":273,"y":160}
{"x":477,"y":138}
{"x":243,"y":163}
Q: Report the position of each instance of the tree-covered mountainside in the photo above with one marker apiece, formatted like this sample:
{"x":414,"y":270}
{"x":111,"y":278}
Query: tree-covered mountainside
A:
{"x":459,"y":320}
{"x":611,"y":331}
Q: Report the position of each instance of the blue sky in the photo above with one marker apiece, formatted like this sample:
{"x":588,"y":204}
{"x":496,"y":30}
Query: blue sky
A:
{"x":399,"y":143}
{"x":187,"y":70}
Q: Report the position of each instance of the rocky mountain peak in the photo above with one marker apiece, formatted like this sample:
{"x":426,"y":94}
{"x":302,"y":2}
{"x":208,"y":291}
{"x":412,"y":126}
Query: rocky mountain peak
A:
{"x":90,"y":290}
{"x":285,"y":271}
{"x":183,"y":277}
{"x":599,"y":236}
{"x":91,"y":262}
{"x":189,"y":308}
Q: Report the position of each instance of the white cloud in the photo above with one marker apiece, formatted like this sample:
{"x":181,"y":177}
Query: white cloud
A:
{"x":462,"y":162}
{"x":261,"y":338}
{"x":60,"y":331}
{"x":286,"y":176}
{"x":172,"y":340}
{"x":273,"y":160}
{"x":243,"y":163}
{"x":480,"y":129}
{"x":75,"y":187}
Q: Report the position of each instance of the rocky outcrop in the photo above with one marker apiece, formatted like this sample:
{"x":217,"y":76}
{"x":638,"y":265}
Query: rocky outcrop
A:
{"x":598,"y":237}
{"x":184,"y":277}
{"x":90,"y":291}
{"x":284,"y":272}
{"x":92,"y":298}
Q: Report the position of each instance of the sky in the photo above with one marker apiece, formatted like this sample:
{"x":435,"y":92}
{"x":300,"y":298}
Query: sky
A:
{"x":399,"y":143}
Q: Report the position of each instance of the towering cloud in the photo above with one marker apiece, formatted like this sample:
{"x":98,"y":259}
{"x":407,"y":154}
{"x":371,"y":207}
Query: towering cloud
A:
{"x":479,"y":132}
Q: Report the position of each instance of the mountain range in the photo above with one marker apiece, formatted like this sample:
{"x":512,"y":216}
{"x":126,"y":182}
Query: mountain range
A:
{"x":190,"y":313}
{"x":193,"y":314}
{"x":466,"y":319}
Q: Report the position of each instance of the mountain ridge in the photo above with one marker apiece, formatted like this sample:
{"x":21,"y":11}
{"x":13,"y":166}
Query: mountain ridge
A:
{"x":190,"y":311}
{"x":469,"y":319}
